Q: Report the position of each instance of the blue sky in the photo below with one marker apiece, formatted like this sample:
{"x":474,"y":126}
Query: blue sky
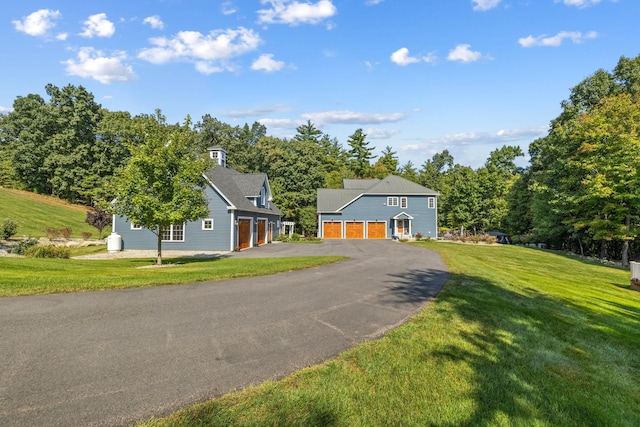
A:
{"x":420,"y":76}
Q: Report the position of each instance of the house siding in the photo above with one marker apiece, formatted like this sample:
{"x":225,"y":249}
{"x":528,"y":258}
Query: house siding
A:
{"x":373,"y":208}
{"x":195,"y":238}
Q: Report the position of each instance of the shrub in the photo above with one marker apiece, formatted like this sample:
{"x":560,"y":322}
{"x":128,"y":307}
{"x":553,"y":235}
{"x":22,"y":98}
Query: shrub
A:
{"x":86,"y":235}
{"x":66,"y":232}
{"x":8,"y":228}
{"x":418,"y":236}
{"x":295,"y":237}
{"x":23,"y":245}
{"x":48,"y":251}
{"x":52,"y":233}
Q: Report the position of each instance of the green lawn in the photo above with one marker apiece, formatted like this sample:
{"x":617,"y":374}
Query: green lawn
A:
{"x":518,"y":337}
{"x":35,"y":213}
{"x":30,"y":276}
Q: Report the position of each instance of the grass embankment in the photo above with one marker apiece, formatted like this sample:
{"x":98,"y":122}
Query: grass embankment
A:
{"x":517,"y":337}
{"x":30,"y":276}
{"x":35,"y":213}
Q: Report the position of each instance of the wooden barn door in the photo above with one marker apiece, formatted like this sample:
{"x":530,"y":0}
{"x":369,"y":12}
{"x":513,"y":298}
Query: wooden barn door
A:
{"x":244,"y":233}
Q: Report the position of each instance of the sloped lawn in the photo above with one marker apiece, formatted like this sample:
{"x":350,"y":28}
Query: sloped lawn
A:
{"x":517,"y":337}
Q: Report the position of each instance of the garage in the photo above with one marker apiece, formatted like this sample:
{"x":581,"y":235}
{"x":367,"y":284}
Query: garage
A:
{"x":244,"y":233}
{"x":262,"y":231}
{"x":377,"y":230}
{"x":354,"y":230}
{"x":332,"y":230}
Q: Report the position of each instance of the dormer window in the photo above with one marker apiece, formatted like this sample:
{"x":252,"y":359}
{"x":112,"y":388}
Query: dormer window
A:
{"x":263,"y":197}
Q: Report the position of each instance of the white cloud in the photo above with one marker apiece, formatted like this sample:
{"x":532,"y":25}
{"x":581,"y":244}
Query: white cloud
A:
{"x":209,"y":52}
{"x":266,"y":63}
{"x":281,"y":123}
{"x":351,"y":117}
{"x":62,"y":36}
{"x":377,"y":133}
{"x":93,"y":64}
{"x":98,"y":26}
{"x":38,"y":23}
{"x":228,"y":8}
{"x":555,"y":41}
{"x":483,"y":5}
{"x":402,"y":57}
{"x":154,"y":21}
{"x":258,"y":111}
{"x":463,"y":53}
{"x":580,"y":3}
{"x":293,"y":12}
{"x":373,"y":2}
{"x":4,"y":110}
{"x":503,"y":136}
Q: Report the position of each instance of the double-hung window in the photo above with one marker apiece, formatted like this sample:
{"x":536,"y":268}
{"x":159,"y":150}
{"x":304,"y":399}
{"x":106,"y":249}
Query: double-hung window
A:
{"x":173,"y":233}
{"x":392,"y":201}
{"x":431,"y":202}
{"x":403,"y":202}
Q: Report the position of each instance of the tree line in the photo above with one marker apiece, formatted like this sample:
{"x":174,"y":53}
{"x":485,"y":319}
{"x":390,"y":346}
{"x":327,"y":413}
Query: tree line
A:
{"x":579,"y":192}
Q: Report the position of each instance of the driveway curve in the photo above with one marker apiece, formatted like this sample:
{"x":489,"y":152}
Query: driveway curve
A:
{"x":115,"y":357}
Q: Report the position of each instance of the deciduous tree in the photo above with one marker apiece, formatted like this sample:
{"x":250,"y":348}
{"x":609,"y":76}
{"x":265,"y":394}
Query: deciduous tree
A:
{"x":163,"y":183}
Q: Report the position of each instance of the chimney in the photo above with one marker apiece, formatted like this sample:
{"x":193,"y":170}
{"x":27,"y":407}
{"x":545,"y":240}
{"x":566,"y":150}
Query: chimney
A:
{"x":219,"y":155}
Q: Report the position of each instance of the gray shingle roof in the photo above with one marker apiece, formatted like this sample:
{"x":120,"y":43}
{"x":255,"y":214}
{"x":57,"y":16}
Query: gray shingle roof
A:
{"x":331,"y":200}
{"x":236,"y":187}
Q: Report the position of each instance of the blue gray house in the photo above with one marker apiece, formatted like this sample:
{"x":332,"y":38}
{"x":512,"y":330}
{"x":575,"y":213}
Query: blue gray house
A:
{"x":241,"y":215}
{"x":377,"y":209}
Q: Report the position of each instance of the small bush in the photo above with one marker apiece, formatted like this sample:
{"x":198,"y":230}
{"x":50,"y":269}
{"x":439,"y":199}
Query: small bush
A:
{"x":418,"y":236}
{"x":52,"y":233}
{"x":23,"y":245}
{"x":295,"y":237}
{"x":86,"y":235}
{"x":48,"y":251}
{"x":66,"y":232}
{"x":8,"y":228}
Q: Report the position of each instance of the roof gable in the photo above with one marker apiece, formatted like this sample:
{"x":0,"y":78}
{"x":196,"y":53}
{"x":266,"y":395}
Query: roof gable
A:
{"x":236,"y":187}
{"x":334,"y":200}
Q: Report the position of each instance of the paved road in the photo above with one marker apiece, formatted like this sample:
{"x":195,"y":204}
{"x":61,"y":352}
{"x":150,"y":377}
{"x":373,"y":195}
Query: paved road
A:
{"x":114,"y":357}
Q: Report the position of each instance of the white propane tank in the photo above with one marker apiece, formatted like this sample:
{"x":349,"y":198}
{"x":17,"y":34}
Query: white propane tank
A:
{"x":114,"y":243}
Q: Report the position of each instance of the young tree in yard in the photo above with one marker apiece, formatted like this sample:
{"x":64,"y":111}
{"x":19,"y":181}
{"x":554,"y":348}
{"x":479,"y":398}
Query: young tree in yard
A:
{"x":99,"y":219}
{"x":162,"y":184}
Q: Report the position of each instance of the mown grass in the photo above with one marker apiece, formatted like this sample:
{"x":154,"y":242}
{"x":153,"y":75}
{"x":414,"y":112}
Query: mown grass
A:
{"x":35,"y":213}
{"x":518,"y":337}
{"x":29,"y":276}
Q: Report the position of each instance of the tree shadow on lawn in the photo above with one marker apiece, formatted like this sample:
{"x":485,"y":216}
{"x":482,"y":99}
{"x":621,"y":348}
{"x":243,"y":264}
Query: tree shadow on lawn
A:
{"x":534,"y":358}
{"x":416,"y":286}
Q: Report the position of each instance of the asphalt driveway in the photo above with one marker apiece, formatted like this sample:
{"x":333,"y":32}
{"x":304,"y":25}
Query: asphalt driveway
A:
{"x":114,"y":357}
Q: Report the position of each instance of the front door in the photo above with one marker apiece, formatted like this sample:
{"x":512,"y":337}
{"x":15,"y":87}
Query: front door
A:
{"x":403,"y":227}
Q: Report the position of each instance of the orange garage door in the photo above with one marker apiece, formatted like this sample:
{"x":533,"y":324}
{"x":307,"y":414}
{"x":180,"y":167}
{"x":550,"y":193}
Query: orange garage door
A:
{"x":332,"y":230}
{"x":377,"y":230}
{"x":354,"y":230}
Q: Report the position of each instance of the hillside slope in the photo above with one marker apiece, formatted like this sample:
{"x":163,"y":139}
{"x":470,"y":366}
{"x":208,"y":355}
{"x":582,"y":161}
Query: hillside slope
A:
{"x":35,"y":213}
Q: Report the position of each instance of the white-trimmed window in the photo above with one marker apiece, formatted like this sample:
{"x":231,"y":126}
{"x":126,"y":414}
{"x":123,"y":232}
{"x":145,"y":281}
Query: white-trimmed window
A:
{"x":431,"y":202}
{"x":173,"y":233}
{"x":207,"y":224}
{"x":392,"y":201}
{"x":135,"y":226}
{"x":403,"y":202}
{"x":263,"y":198}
